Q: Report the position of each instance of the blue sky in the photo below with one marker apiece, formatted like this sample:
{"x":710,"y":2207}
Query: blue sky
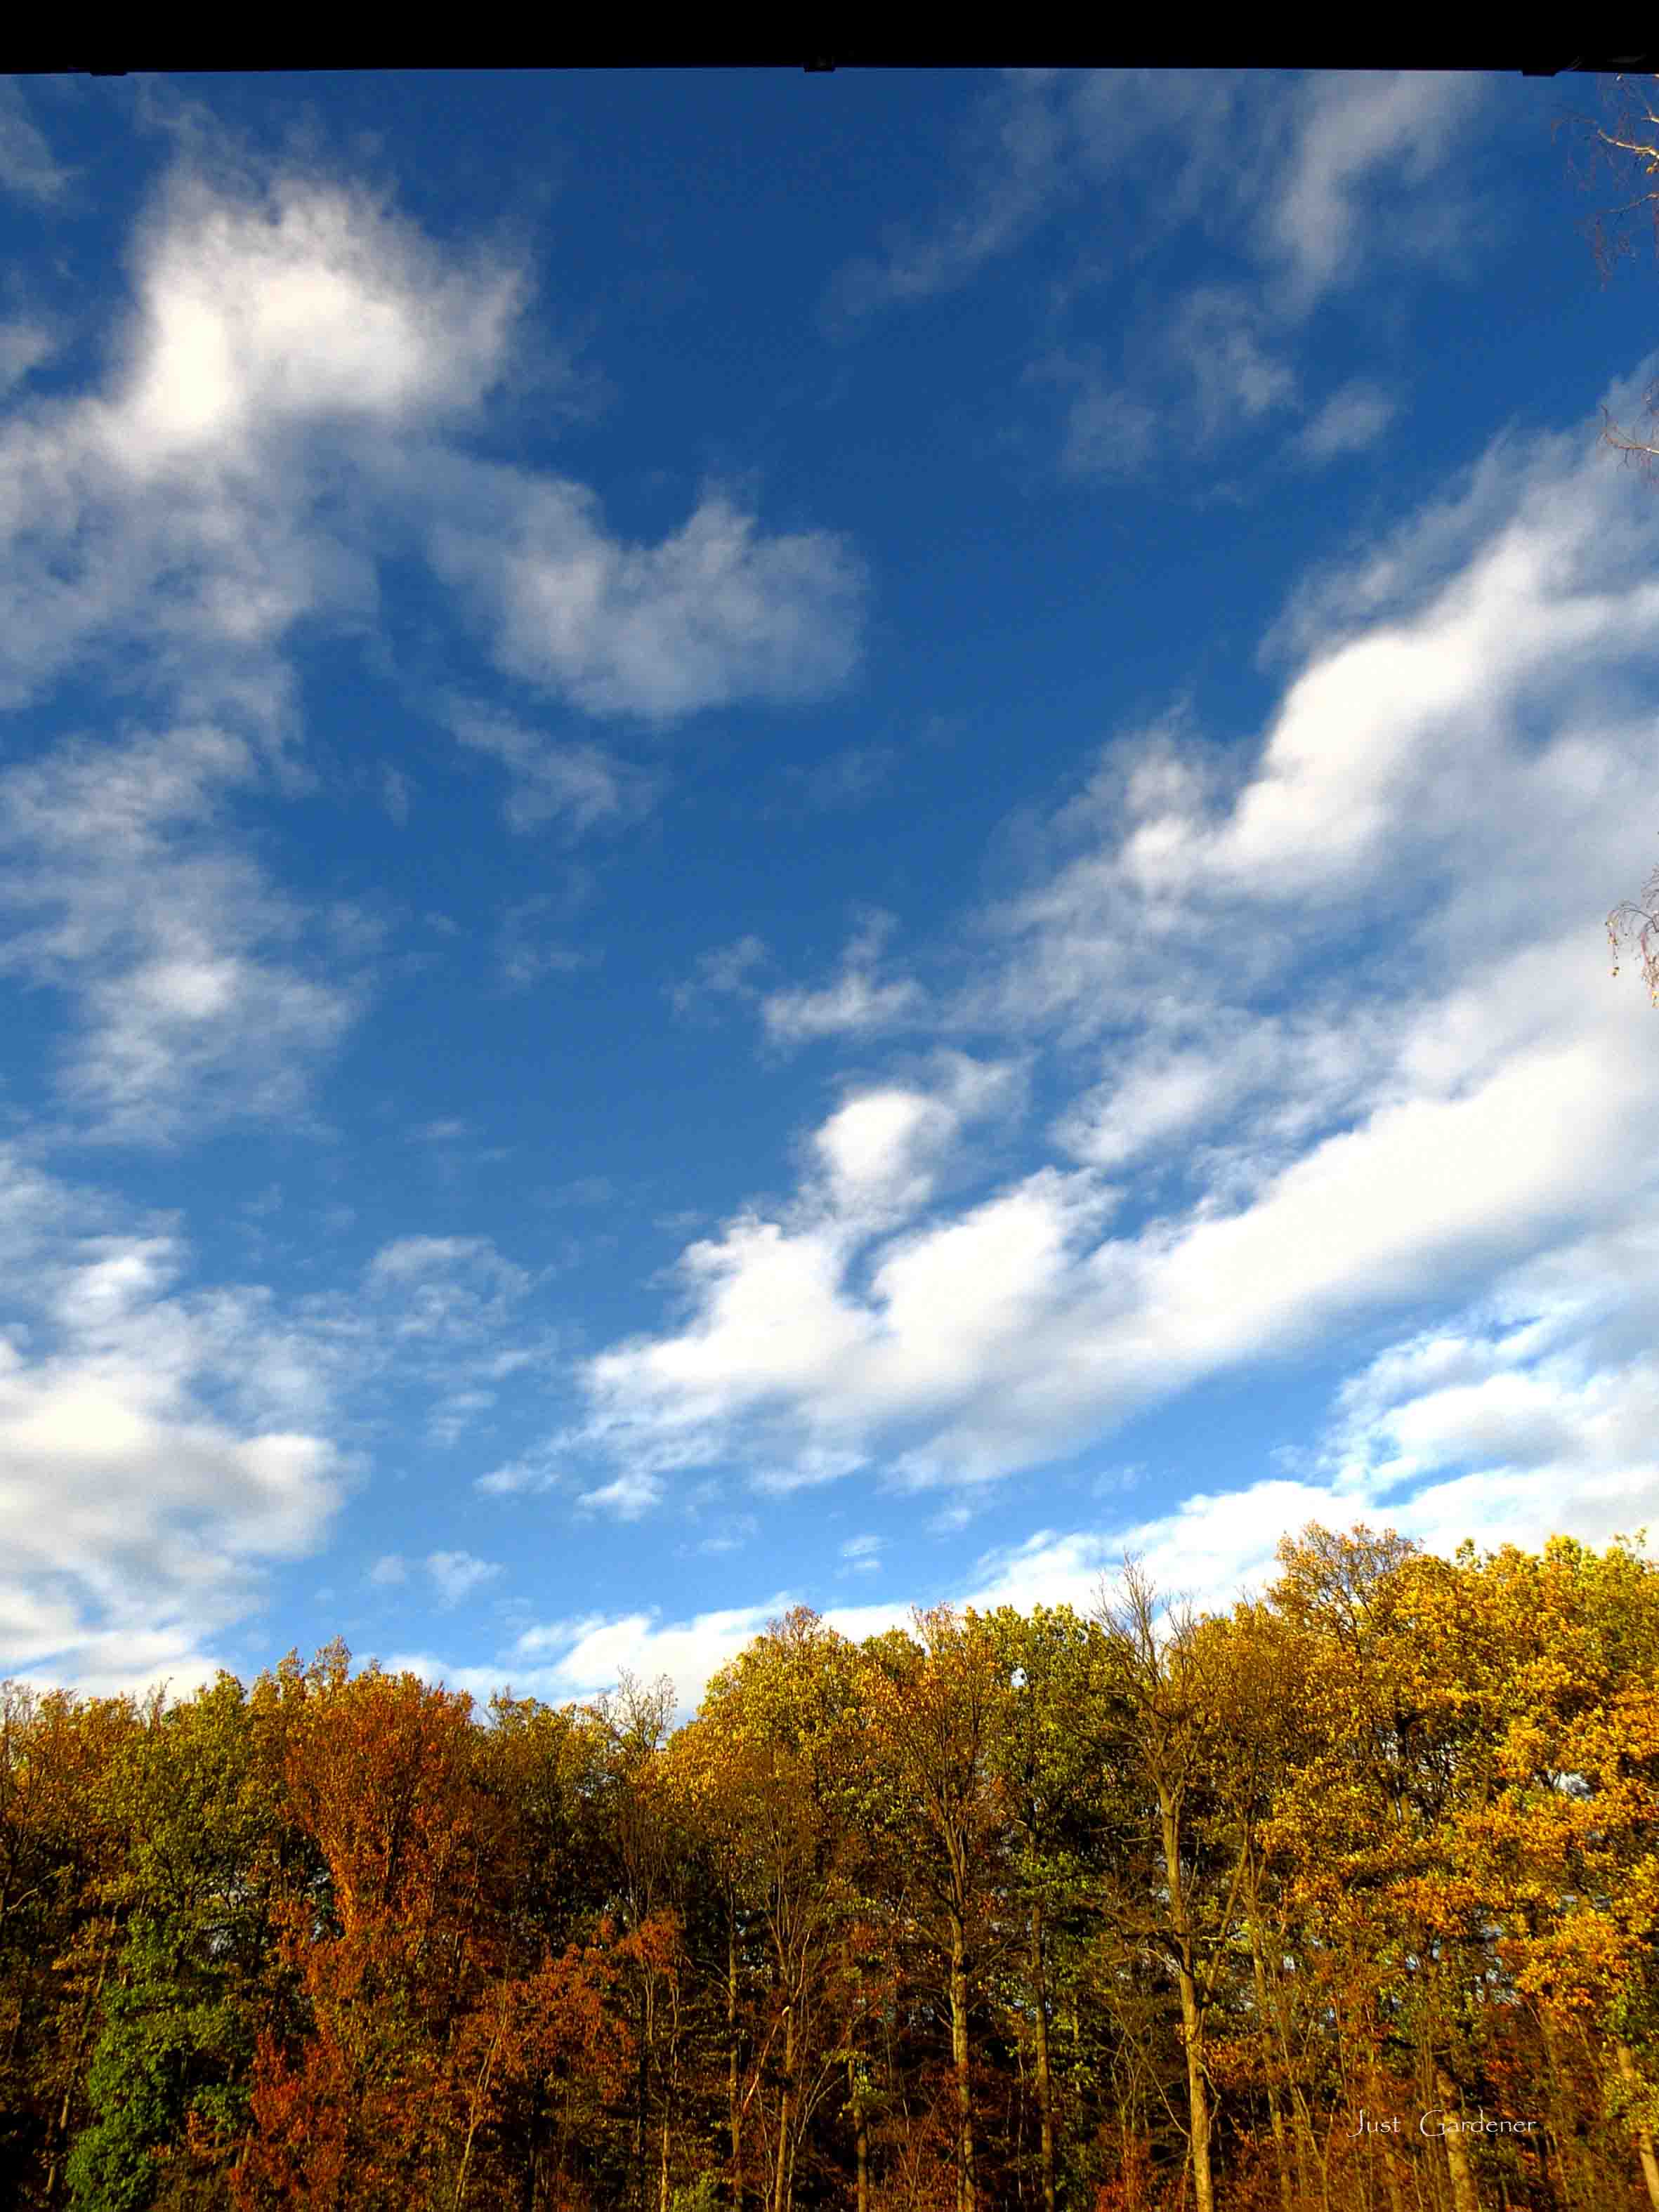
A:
{"x":837,"y":839}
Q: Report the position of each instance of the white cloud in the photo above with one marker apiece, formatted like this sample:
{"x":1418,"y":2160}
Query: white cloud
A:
{"x":432,"y":1272}
{"x":282,"y":392}
{"x":593,"y":1652}
{"x":390,"y":1570}
{"x":190,"y":1007}
{"x":447,"y":1312}
{"x":874,"y":1149}
{"x":852,"y":1006}
{"x":584,"y":1190}
{"x":630,"y":1497}
{"x":456,"y":1575}
{"x":507,"y":1481}
{"x":712,"y":614}
{"x":313,"y":303}
{"x":1209,"y":1550}
{"x":160,"y":1446}
{"x":863,"y":1555}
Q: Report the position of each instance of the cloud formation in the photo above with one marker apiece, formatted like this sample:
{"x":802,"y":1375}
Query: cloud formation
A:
{"x":1291,"y":175}
{"x":1354,"y":1134}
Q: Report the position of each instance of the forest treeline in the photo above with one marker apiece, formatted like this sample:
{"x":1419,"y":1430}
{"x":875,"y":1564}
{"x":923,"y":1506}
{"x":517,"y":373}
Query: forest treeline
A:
{"x":1344,"y":1901}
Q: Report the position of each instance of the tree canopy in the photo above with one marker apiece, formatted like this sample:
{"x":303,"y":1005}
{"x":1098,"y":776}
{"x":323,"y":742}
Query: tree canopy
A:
{"x":1342,"y":1901}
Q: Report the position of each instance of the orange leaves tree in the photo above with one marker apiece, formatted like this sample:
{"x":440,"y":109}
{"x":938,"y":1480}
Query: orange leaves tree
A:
{"x":363,"y":2112}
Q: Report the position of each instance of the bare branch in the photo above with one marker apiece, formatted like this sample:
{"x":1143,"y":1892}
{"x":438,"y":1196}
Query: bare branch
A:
{"x":1650,"y":921}
{"x":1634,"y":138}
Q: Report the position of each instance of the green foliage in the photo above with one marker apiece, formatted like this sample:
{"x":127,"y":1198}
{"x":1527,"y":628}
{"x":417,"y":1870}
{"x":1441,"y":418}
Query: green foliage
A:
{"x":703,"y":2195}
{"x":171,"y":2042}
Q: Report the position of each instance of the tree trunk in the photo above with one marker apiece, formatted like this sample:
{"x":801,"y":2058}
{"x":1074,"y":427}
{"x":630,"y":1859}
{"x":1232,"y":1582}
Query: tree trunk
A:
{"x":1044,"y":2077}
{"x":1263,"y":2012}
{"x":1192,"y":2019}
{"x":1307,"y":2148}
{"x":966,"y":2198}
{"x":854,"y":2100}
{"x":1577,"y":2187}
{"x":83,"y":2037}
{"x":860,"y":2139}
{"x":1391,"y":2177}
{"x":1643,"y":2133}
{"x":734,"y":2106}
{"x":475,"y":2105}
{"x":641,"y":2096}
{"x":782,"y":2191}
{"x":1464,"y":2198}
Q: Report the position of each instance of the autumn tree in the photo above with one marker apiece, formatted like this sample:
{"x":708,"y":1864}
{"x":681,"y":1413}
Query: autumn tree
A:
{"x":1563,"y":1849}
{"x":362,"y":2113}
{"x":773,"y":1763}
{"x":198,"y":1794}
{"x":645,"y":1843}
{"x":1171,"y":1726}
{"x":934,"y":1702}
{"x":1259,"y":1663}
{"x":1015,"y":1909}
{"x":1051,"y":1753}
{"x":61,"y":1855}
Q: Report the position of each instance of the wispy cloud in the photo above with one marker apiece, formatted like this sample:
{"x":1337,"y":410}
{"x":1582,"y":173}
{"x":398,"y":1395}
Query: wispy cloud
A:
{"x":722,"y":973}
{"x":1014,"y":153}
{"x":855,"y":1004}
{"x":28,"y":168}
{"x":575,"y":784}
{"x":630,"y":1497}
{"x":177,"y":949}
{"x":1347,"y":132}
{"x":456,"y":1575}
{"x":1287,"y":173}
{"x":525,"y":954}
{"x":1350,"y":420}
{"x":863,"y":1555}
